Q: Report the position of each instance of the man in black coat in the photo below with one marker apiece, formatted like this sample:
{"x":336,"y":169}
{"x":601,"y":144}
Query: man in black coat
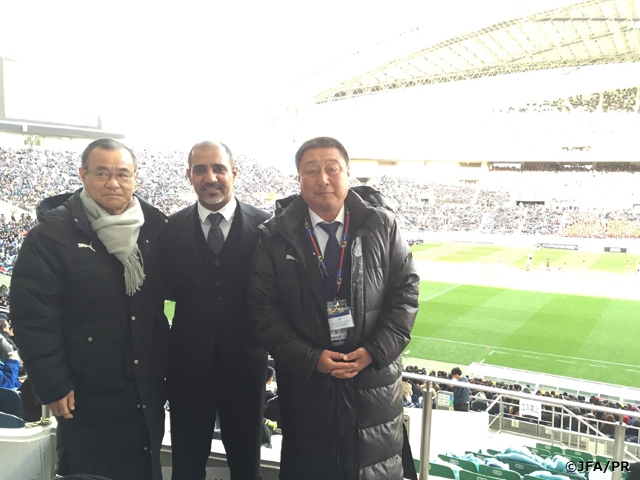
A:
{"x":87,"y":306}
{"x":334,"y":294}
{"x":217,"y":364}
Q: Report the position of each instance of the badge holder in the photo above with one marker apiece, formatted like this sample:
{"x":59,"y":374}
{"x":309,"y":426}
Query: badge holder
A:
{"x":340,"y":320}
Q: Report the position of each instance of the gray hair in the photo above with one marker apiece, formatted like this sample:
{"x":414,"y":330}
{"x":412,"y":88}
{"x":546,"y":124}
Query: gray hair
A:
{"x":110,"y":145}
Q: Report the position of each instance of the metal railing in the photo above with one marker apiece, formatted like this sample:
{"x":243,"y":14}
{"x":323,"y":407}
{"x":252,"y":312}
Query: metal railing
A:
{"x":619,"y":427}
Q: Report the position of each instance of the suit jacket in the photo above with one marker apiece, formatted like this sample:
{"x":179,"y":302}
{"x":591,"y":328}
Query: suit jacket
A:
{"x":212,"y":319}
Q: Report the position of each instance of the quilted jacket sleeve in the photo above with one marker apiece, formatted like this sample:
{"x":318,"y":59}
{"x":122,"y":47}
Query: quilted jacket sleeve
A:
{"x":37,"y":315}
{"x":400,"y":306}
{"x":276,"y":335}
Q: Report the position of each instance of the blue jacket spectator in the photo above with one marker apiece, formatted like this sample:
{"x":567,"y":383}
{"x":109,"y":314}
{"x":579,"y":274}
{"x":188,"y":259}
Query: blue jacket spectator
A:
{"x":9,"y":374}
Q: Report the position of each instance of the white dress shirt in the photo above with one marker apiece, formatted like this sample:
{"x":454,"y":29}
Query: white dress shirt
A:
{"x":323,"y":236}
{"x":227,"y":213}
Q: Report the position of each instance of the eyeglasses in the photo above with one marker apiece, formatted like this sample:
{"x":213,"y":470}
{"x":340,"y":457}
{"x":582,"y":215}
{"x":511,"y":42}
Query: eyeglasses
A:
{"x":121,"y":177}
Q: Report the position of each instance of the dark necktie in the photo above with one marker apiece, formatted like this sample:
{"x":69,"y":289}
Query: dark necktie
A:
{"x":331,"y":258}
{"x":215,"y":238}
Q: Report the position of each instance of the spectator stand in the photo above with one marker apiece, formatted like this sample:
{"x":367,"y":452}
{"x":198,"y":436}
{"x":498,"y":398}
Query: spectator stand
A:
{"x":430,"y":422}
{"x":549,"y":382}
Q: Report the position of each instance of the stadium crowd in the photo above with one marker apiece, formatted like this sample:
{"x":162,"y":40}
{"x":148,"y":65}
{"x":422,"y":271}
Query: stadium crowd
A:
{"x":620,"y":100}
{"x":29,"y":175}
{"x":414,"y":397}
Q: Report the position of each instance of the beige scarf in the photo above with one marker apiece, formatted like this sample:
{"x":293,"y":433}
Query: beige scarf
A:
{"x":119,"y":234}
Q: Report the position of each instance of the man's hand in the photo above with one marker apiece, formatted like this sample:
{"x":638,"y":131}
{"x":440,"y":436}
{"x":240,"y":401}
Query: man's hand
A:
{"x":342,"y":365}
{"x":14,"y":355}
{"x":353,"y":363}
{"x":64,"y":406}
{"x":328,"y":361}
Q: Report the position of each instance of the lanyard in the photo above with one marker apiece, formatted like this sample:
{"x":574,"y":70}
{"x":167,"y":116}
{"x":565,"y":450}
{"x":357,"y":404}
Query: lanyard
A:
{"x":316,"y":252}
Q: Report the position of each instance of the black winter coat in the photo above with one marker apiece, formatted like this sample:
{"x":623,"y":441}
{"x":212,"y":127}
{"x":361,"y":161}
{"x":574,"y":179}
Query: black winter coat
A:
{"x":334,"y":428}
{"x":77,"y":329}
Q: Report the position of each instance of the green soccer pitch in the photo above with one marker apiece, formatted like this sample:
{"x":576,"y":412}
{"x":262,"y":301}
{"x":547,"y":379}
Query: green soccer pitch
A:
{"x":593,"y":338}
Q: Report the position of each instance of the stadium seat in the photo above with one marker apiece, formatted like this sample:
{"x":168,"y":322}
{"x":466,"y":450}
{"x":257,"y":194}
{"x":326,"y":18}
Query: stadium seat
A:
{"x":541,"y":452}
{"x":543,"y":446}
{"x":521,"y":468}
{"x":547,"y":475}
{"x":465,"y":475}
{"x":10,"y":421}
{"x":574,"y":458}
{"x":493,"y":452}
{"x":10,"y":402}
{"x":464,"y":464}
{"x":554,"y":450}
{"x":499,"y":473}
{"x":481,"y":456}
{"x":578,"y":454}
{"x":438,"y":470}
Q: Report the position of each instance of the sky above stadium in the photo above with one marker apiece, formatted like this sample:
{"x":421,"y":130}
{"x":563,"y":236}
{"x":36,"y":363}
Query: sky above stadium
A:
{"x":180,"y":70}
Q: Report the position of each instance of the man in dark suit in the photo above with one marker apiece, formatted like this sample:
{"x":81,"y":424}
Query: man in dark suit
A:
{"x":217,"y":364}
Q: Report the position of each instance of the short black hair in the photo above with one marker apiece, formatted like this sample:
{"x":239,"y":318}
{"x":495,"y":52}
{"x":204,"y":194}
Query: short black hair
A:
{"x":211,"y":144}
{"x":3,"y":324}
{"x":456,"y":371}
{"x":270,"y":373}
{"x":107,"y":144}
{"x":321,"y":142}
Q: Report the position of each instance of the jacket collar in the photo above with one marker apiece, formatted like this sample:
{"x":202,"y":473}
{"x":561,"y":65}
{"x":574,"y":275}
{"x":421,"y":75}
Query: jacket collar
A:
{"x":288,"y":220}
{"x":291,"y":210}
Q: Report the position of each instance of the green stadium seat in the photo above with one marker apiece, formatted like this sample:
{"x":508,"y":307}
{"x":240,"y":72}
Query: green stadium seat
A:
{"x":463,"y":464}
{"x":579,"y":454}
{"x":573,"y":458}
{"x":465,"y":475}
{"x":481,"y":456}
{"x":603,"y":459}
{"x":543,"y":446}
{"x":521,"y":468}
{"x":541,"y":452}
{"x":499,"y":473}
{"x":493,"y":452}
{"x":553,"y":450}
{"x":572,"y":477}
{"x":437,"y":470}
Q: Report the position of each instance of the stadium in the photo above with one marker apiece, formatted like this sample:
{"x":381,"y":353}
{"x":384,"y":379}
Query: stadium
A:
{"x":505,"y":145}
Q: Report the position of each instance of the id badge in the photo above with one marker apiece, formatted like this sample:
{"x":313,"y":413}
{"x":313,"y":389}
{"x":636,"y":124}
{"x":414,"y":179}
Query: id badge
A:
{"x":339,"y":315}
{"x":340,"y":320}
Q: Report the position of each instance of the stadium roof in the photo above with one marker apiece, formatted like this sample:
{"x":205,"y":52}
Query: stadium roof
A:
{"x":585,"y":33}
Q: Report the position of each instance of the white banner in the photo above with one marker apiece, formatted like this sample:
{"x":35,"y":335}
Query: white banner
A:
{"x":530,"y":408}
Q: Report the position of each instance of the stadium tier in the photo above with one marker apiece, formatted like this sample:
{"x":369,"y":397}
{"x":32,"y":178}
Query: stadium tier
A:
{"x":541,"y":203}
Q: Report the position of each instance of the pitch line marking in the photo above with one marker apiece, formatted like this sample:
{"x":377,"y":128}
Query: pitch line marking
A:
{"x":531,"y":356}
{"x":438,"y":294}
{"x":526,"y":351}
{"x":564,"y":361}
{"x":599,"y":366}
{"x":634,"y":371}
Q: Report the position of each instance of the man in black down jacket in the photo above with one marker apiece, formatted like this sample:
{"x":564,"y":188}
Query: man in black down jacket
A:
{"x":87,"y":304}
{"x":339,"y":388}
